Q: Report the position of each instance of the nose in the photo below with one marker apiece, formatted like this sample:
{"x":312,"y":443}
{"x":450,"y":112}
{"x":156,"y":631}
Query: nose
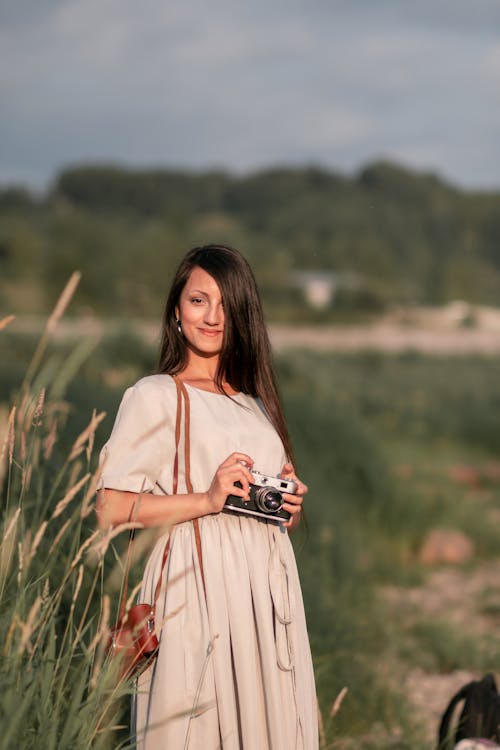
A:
{"x":214,"y":315}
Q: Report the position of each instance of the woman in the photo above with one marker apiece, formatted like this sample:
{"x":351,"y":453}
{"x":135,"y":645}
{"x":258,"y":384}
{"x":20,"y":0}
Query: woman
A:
{"x":234,"y":666}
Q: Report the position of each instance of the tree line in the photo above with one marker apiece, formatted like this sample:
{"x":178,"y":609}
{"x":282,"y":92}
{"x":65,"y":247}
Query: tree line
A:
{"x":406,"y":237}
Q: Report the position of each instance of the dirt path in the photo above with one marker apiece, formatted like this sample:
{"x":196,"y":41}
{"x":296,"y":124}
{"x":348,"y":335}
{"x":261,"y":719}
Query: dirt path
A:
{"x":448,"y":330}
{"x":387,"y":337}
{"x":469,"y":601}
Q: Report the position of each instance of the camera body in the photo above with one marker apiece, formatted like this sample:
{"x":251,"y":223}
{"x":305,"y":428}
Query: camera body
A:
{"x":266,"y":498}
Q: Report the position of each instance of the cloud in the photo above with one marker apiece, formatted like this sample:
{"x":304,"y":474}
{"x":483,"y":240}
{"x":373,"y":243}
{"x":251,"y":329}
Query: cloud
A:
{"x":242,"y":85}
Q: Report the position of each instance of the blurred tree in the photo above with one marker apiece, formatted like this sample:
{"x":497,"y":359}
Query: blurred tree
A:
{"x":411,"y":238}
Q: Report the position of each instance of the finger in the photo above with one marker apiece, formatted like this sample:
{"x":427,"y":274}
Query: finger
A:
{"x":242,"y":458}
{"x":294,"y":501}
{"x":238,"y":491}
{"x":289,"y":523}
{"x":293,"y":509}
{"x":288,"y":472}
{"x":235,"y":458}
{"x":301,"y":488}
{"x":236,"y":472}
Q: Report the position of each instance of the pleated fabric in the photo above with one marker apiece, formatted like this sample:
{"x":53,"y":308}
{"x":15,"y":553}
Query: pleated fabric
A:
{"x":234,"y":669}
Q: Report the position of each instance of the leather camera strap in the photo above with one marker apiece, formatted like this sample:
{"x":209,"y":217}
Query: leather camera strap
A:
{"x":182,"y":393}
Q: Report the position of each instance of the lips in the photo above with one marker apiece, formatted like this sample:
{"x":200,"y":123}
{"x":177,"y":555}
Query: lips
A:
{"x":209,"y":332}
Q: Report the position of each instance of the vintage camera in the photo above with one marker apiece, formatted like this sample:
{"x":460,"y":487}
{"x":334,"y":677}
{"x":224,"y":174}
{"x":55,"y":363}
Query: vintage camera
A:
{"x":266,"y":498}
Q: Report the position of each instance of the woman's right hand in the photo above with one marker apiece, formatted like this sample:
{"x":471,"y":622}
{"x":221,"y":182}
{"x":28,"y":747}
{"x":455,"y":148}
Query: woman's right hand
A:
{"x":236,"y":468}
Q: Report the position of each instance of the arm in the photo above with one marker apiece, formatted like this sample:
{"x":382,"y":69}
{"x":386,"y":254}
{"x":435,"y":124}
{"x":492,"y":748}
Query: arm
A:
{"x":114,"y":507}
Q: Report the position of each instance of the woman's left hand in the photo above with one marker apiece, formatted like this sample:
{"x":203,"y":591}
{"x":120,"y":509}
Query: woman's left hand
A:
{"x":293,"y":503}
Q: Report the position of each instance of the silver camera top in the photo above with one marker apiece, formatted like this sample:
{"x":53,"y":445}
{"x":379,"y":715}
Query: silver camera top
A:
{"x":278,"y":483}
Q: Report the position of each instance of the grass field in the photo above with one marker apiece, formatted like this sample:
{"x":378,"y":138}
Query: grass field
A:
{"x":391,"y":446}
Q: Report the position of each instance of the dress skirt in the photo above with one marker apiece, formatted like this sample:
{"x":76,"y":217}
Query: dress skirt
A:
{"x":234,"y":667}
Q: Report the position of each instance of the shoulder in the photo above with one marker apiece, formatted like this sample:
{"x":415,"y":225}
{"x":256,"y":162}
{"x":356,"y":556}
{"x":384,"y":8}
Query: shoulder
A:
{"x":153,"y":386}
{"x":155,"y":394}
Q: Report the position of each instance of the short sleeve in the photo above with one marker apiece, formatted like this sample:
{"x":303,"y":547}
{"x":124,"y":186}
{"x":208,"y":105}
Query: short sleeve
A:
{"x":139,"y":446}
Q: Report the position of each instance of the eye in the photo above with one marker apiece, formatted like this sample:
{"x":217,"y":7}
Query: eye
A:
{"x":196,"y":300}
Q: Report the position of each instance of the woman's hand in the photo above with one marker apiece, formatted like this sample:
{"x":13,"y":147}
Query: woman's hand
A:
{"x":293,"y":503}
{"x":236,"y":468}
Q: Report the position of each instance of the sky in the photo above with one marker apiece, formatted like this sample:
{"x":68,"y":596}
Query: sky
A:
{"x":243,"y":86}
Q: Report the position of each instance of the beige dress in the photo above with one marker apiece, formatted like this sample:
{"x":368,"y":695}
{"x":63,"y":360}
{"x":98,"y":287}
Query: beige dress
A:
{"x":234,"y":669}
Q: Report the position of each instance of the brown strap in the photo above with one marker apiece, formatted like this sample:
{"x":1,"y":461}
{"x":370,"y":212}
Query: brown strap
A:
{"x":181,"y":389}
{"x":187,"y":442}
{"x":175,"y":483}
{"x":177,"y":434}
{"x":160,"y":577}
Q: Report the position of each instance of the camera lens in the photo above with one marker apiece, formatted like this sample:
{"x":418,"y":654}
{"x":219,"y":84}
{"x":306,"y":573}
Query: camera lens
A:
{"x":269,"y":500}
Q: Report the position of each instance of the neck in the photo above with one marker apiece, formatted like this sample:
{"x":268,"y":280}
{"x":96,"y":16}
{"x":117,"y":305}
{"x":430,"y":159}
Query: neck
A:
{"x":201,"y":372}
{"x":201,"y":368}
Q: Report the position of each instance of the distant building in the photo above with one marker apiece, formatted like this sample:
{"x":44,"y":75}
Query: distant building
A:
{"x":319,"y":287}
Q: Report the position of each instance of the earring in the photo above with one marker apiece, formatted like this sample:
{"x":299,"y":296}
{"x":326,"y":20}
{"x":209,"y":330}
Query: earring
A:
{"x":179,"y":328}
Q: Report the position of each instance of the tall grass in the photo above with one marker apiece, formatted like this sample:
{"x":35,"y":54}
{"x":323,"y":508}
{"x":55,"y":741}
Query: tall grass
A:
{"x":352,"y":419}
{"x":58,"y":689}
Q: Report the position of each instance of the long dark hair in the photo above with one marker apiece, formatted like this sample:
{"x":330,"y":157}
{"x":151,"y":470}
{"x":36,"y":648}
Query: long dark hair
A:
{"x":245,"y":361}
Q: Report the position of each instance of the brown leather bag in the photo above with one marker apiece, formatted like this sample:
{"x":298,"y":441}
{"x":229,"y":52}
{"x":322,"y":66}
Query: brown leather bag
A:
{"x":133,"y":639}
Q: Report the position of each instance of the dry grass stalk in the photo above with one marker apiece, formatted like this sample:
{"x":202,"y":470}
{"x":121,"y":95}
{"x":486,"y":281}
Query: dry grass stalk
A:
{"x":87,"y":543}
{"x":25,"y":409}
{"x":59,"y":535}
{"x":30,"y":409}
{"x":90,"y":444}
{"x":10,"y":527}
{"x":20,"y":562}
{"x":45,"y":591}
{"x":68,"y":497}
{"x":74,"y":475}
{"x":338,"y":702}
{"x":321,"y":728}
{"x":99,"y":641}
{"x":78,"y":586}
{"x":26,"y":477}
{"x":51,"y":325}
{"x":7,"y":546}
{"x":11,"y":435}
{"x":28,"y":627}
{"x":131,"y":599}
{"x":4,"y":322}
{"x":22,"y":447}
{"x":38,"y":408}
{"x":6,"y":441}
{"x":89,"y":431}
{"x":50,"y":440}
{"x":171,"y":615}
{"x":88,"y":501}
{"x":63,"y":302}
{"x":10,"y":633}
{"x":99,"y":549}
{"x":36,"y":541}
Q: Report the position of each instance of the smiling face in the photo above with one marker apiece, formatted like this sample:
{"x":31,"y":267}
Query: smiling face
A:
{"x":201,"y":313}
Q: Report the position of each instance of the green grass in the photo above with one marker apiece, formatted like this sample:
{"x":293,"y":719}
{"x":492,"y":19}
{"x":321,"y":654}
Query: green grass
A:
{"x":376,"y":437}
